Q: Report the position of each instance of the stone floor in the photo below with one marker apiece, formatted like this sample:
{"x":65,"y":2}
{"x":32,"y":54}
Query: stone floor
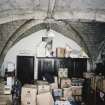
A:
{"x":4,"y":99}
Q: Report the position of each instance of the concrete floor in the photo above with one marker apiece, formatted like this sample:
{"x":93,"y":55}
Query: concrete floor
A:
{"x":7,"y":99}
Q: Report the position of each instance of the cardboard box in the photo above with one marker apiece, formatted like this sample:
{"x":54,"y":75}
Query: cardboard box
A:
{"x":62,"y":102}
{"x":77,"y":90}
{"x":67,"y":93}
{"x":45,"y":99}
{"x":42,"y":82}
{"x":28,"y":95}
{"x":60,"y":52}
{"x":43,"y":88}
{"x":7,"y":90}
{"x":100,"y":84}
{"x":65,"y":82}
{"x":56,"y":80}
{"x":28,"y":101}
{"x":54,"y":86}
{"x":77,"y":81}
{"x":10,"y":66}
{"x":93,"y":83}
{"x":104,"y":85}
{"x":78,"y":98}
{"x":63,"y":72}
{"x":88,"y":75}
{"x":10,"y":82}
{"x":57,"y":93}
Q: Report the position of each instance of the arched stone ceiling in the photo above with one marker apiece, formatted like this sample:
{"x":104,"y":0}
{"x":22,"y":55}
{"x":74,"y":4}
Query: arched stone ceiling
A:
{"x":87,"y":35}
{"x":32,"y":26}
{"x":75,"y":19}
{"x":57,"y":9}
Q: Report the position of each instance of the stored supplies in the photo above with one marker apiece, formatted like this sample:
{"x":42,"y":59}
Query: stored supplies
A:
{"x":104,"y":85}
{"x":42,"y":82}
{"x":56,"y":79}
{"x":7,"y":89}
{"x":68,"y":51}
{"x":28,"y":95}
{"x":57,"y":93}
{"x":16,"y":92}
{"x":10,"y":67}
{"x":58,"y":102}
{"x":77,"y":81}
{"x":78,"y":98}
{"x":10,"y":82}
{"x":93,"y":83}
{"x":60,"y":52}
{"x":100,"y":84}
{"x":88,"y":75}
{"x":77,"y":90}
{"x":43,"y":88}
{"x":67,"y":93}
{"x":63,"y":72}
{"x":65,"y":82}
{"x":55,"y":84}
{"x":45,"y":99}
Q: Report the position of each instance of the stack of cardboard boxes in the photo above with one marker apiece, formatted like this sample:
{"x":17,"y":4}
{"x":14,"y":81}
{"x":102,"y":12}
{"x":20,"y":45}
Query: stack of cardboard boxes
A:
{"x":98,"y":82}
{"x":63,"y":52}
{"x":88,"y":75}
{"x":28,"y":95}
{"x":101,"y":83}
{"x":77,"y":87}
{"x":61,"y":92}
{"x":36,"y":95}
{"x":69,"y":89}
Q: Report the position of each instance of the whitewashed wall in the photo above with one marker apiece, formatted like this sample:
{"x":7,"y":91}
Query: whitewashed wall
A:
{"x":28,"y":46}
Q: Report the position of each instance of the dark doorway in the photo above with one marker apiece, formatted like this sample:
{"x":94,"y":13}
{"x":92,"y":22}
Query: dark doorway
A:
{"x":25,"y":69}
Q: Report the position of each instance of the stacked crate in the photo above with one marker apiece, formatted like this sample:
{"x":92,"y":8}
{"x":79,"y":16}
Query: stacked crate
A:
{"x":77,"y":89}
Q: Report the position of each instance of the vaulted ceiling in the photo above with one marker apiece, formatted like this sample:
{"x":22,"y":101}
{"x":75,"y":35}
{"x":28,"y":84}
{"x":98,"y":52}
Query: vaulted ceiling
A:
{"x":58,"y":9}
{"x":80,"y":20}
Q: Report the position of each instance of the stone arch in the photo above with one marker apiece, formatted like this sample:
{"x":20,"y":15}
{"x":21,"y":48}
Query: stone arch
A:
{"x":19,"y":14}
{"x":101,"y":48}
{"x":32,"y":26}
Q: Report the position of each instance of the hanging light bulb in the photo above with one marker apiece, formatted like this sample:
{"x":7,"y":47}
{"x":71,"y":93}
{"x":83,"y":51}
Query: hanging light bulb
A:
{"x":51,"y":33}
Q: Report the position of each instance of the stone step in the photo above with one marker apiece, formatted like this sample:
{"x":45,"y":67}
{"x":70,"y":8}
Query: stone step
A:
{"x":3,"y":103}
{"x":2,"y":85}
{"x":5,"y":99}
{"x":1,"y":92}
{"x":1,"y":88}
